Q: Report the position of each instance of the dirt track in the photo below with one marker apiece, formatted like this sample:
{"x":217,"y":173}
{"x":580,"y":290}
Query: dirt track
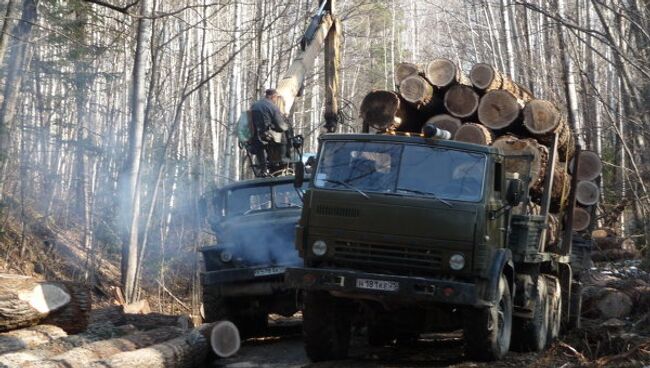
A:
{"x":283,"y":348}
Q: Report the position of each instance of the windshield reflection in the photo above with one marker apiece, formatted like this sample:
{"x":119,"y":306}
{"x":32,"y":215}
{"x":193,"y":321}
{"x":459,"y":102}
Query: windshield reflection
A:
{"x":406,"y":169}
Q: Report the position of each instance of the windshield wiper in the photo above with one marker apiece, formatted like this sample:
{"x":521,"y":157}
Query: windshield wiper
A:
{"x":429,"y":194}
{"x":347,"y":185}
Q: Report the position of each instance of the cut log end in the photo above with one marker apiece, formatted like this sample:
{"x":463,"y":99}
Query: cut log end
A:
{"x":225,"y":340}
{"x":498,"y":109}
{"x":587,"y":193}
{"x":541,"y":117}
{"x":474,"y":133}
{"x":379,"y":108}
{"x":442,"y":72}
{"x":461,"y":101}
{"x":404,"y":70}
{"x":590,"y":166}
{"x":416,"y":90}
{"x":536,"y":168}
{"x":581,"y":219}
{"x":445,"y":122}
{"x":483,"y":76}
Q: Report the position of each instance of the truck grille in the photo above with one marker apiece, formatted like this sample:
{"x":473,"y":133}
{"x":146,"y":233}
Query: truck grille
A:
{"x":407,"y":259}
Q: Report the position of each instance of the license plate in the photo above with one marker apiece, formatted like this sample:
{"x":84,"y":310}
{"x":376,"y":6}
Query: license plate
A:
{"x":268,"y":271}
{"x":377,"y":285}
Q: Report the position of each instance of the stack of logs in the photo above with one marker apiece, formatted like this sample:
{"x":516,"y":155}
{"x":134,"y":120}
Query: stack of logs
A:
{"x":47,"y":325}
{"x":488,"y":108}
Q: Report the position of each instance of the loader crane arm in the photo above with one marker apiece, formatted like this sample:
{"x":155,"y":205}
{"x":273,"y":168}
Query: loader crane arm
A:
{"x":322,"y":34}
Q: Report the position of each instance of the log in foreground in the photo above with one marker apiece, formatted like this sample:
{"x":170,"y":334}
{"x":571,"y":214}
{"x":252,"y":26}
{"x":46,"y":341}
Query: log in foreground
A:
{"x":444,"y":73}
{"x":543,"y":120}
{"x":181,"y":352}
{"x":445,"y":122}
{"x":26,"y":302}
{"x":62,"y":344}
{"x":224,"y":339}
{"x":474,"y":133}
{"x":29,"y":337}
{"x":461,"y":101}
{"x":499,"y":110}
{"x":80,"y":357}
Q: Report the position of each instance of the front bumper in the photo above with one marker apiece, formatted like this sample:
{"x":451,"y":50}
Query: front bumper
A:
{"x":248,"y":274}
{"x":411,"y":289}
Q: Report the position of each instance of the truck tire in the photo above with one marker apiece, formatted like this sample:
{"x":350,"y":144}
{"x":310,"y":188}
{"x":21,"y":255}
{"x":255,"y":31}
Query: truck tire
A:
{"x":216,"y":308}
{"x":251,"y":324}
{"x":555,"y":309}
{"x":487,"y":330}
{"x":530,"y":334}
{"x":380,"y":334}
{"x":326,"y":325}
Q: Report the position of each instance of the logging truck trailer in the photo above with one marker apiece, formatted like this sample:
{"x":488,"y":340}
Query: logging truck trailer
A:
{"x":243,"y":278}
{"x":414,"y":234}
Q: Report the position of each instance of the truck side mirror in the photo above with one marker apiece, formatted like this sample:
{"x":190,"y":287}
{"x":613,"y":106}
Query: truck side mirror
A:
{"x":299,"y":174}
{"x":515,"y":192}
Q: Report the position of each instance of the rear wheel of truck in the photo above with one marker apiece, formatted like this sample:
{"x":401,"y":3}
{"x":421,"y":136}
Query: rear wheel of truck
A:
{"x":530,"y":334}
{"x":326,"y":324}
{"x":555,"y":309}
{"x":487,"y":330}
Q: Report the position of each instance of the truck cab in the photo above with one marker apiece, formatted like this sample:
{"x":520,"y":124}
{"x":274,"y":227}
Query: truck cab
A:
{"x":412,"y":235}
{"x":254,"y":222}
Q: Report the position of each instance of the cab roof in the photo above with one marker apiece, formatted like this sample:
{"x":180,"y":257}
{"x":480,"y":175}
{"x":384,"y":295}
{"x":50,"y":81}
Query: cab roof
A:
{"x":259,"y":182}
{"x":389,"y":138}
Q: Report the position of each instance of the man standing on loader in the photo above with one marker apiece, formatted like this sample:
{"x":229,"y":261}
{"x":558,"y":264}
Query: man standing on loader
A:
{"x":270,"y":143}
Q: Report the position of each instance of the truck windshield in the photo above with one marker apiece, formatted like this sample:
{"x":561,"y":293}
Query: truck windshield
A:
{"x":400,"y":168}
{"x":241,"y":201}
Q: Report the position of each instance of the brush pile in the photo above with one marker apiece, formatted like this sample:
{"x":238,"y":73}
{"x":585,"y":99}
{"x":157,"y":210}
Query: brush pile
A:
{"x":486,"y":107}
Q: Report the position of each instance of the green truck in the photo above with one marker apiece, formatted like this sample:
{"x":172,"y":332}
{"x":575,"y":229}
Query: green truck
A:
{"x":413,"y":234}
{"x":243,"y":278}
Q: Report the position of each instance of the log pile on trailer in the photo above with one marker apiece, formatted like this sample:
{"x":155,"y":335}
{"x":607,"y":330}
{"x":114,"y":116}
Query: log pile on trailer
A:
{"x":487,"y":107}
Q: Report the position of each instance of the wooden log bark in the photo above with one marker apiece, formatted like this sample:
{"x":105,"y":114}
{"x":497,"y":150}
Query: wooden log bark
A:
{"x":181,"y":352}
{"x":461,"y":101}
{"x":80,"y":357}
{"x":486,"y":78}
{"x":404,"y":70}
{"x":500,"y":110}
{"x":581,"y":219}
{"x":26,"y":302}
{"x":384,"y":110}
{"x":474,"y":133}
{"x":62,"y":344}
{"x":29,"y":337}
{"x":543,"y":120}
{"x":587,"y":193}
{"x":444,"y":73}
{"x":612,"y":255}
{"x":605,"y":302}
{"x":590,"y":166}
{"x":515,"y":146}
{"x":445,"y":122}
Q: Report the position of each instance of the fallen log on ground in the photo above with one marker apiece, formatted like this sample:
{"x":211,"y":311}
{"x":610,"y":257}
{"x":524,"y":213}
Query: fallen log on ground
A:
{"x":605,"y":302}
{"x":181,"y":352}
{"x":26,"y":302}
{"x":115,"y":315}
{"x":80,"y":357}
{"x":29,"y":337}
{"x":224,"y":339}
{"x":60,"y":345}
{"x":609,"y":255}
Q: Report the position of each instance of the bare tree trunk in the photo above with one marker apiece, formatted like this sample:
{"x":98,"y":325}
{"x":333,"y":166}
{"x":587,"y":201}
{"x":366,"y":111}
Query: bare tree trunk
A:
{"x":136,"y":133}
{"x":4,"y":32}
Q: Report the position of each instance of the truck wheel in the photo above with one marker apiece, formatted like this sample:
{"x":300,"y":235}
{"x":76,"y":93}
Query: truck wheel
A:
{"x":251,"y":324}
{"x":326,"y":324}
{"x":555,"y":310}
{"x":214,"y":306}
{"x":531,"y":334}
{"x":487,"y":330}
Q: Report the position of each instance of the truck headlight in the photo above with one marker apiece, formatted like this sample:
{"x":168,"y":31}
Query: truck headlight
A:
{"x":225,"y":256}
{"x":319,"y":248}
{"x":457,"y":262}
